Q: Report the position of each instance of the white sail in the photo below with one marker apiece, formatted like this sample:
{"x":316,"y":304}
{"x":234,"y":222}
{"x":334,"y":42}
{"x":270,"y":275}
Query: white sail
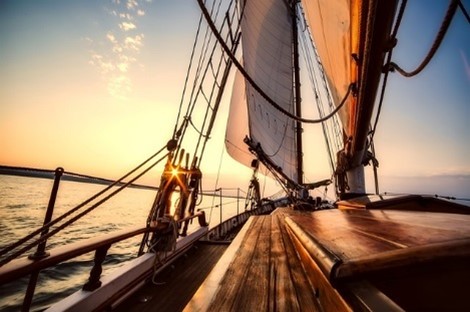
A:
{"x":267,"y":58}
{"x":237,"y":124}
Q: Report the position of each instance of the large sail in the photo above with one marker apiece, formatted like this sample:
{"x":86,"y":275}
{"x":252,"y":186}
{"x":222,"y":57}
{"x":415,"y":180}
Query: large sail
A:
{"x":351,"y":37}
{"x":267,"y":57}
{"x":237,"y":123}
{"x":332,"y":29}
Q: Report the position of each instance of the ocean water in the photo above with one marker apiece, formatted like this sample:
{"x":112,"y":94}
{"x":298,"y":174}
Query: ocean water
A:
{"x":23,"y":203}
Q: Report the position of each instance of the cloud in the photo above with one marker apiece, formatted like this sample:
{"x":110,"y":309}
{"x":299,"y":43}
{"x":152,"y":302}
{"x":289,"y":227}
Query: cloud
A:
{"x":131,"y":4}
{"x":103,"y":65}
{"x":111,"y":37}
{"x":115,"y":53}
{"x":465,"y":63}
{"x":127,"y":26}
{"x":126,"y":16}
{"x":120,"y":86}
{"x":134,"y":43}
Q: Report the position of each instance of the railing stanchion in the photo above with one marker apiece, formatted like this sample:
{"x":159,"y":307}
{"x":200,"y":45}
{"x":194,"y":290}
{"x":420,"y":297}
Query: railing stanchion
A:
{"x":41,"y":250}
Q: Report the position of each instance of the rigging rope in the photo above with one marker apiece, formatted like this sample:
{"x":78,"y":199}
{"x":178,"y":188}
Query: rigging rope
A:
{"x":464,"y":11}
{"x":208,"y":50}
{"x":437,"y":42}
{"x":187,"y":77}
{"x":393,"y":39}
{"x":253,"y":83}
{"x":332,"y":133}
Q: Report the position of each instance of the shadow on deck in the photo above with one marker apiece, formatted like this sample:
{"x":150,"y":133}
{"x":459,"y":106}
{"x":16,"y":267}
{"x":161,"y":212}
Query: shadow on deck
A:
{"x":176,"y":285}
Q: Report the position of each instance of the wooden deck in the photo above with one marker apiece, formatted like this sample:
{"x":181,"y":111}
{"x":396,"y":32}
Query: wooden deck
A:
{"x":177,"y":283}
{"x":260,"y":271}
{"x":343,"y":260}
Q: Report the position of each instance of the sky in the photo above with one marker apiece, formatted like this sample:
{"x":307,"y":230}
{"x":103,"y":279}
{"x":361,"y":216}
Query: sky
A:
{"x":93,"y":86}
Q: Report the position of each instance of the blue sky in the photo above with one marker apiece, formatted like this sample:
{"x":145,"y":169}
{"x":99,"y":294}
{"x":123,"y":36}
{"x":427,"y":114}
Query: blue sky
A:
{"x":93,"y":86}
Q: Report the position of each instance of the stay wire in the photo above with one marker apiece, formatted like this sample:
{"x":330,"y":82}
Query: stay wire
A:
{"x":206,"y":43}
{"x":188,"y":71}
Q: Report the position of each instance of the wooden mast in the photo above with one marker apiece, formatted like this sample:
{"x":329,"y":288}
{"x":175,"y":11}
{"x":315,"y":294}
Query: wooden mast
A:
{"x":298,"y":99}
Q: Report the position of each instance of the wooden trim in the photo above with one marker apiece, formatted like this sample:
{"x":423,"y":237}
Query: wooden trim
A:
{"x":328,"y":298}
{"x":431,"y":253}
{"x":325,"y":259}
{"x":24,"y":266}
{"x":122,"y":282}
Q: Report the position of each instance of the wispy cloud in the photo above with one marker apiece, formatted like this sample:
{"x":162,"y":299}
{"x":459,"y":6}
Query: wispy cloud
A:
{"x":466,"y":64}
{"x":134,"y":43}
{"x":116,"y":52}
{"x":127,"y":26}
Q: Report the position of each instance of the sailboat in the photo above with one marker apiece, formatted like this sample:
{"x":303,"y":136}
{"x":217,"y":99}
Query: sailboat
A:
{"x":364,"y":252}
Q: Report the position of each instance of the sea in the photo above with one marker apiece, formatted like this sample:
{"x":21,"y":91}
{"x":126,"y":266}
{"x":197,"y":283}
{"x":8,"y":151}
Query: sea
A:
{"x":23,"y":203}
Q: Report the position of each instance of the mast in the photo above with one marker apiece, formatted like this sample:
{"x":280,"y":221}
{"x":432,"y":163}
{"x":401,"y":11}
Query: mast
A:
{"x":298,"y":99}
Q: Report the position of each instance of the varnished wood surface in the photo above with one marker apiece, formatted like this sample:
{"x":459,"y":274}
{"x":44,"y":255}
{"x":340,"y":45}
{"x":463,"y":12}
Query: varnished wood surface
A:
{"x":356,"y":234}
{"x":265,"y":274}
{"x":340,"y":260}
{"x":417,"y":260}
{"x":176,"y":284}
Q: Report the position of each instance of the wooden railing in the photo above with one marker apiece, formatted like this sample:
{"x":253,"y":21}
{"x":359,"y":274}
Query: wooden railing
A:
{"x":24,"y":266}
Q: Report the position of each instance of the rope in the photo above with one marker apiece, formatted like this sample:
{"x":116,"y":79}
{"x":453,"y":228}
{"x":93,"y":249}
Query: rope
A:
{"x":187,"y":76}
{"x":196,"y":129}
{"x":464,"y":11}
{"x":309,"y":53}
{"x":389,"y":58}
{"x":253,"y":83}
{"x":67,"y":223}
{"x":161,"y":256}
{"x":437,"y":42}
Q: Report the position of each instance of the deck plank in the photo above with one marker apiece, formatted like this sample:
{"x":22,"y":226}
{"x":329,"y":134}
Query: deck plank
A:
{"x":254,"y":288}
{"x":304,"y":292}
{"x":265,"y":274}
{"x":236,"y":274}
{"x":282,"y":293}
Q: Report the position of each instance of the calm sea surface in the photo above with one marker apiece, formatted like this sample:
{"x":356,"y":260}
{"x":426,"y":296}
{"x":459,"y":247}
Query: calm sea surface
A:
{"x":23,"y":203}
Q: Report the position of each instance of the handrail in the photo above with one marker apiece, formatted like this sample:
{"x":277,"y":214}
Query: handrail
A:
{"x":24,"y":266}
